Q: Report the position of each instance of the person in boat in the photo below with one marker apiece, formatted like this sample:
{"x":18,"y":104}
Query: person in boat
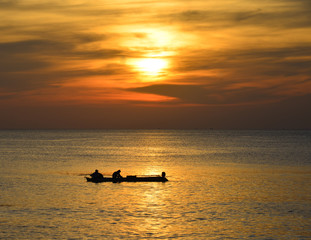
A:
{"x":116,"y":174}
{"x":96,"y":175}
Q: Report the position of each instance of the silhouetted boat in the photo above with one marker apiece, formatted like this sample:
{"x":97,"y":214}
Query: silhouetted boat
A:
{"x":131,"y":178}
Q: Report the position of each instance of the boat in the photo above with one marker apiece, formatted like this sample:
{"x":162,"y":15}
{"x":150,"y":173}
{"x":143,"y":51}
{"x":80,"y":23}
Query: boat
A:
{"x":130,"y":178}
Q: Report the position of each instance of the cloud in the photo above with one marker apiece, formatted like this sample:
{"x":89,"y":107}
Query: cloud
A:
{"x":58,"y":47}
{"x":281,"y":14}
{"x":198,"y":94}
{"x":275,"y":68}
{"x":19,"y":80}
{"x":81,"y":9}
{"x":241,"y":76}
{"x":277,"y":61}
{"x":223,"y":57}
{"x":36,"y":63}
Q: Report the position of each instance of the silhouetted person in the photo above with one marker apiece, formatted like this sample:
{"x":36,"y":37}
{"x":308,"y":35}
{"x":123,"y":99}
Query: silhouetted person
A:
{"x":96,"y":175}
{"x":116,"y":174}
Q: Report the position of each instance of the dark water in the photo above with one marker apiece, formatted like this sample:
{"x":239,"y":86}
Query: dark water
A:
{"x":222,"y":185}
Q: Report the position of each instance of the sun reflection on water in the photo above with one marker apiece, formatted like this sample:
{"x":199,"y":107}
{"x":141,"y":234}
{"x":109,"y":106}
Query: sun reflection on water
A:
{"x":205,"y":198}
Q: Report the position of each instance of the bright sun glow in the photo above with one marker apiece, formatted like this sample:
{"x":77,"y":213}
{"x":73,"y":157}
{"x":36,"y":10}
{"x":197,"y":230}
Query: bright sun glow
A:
{"x":156,"y":47}
{"x":150,"y":66}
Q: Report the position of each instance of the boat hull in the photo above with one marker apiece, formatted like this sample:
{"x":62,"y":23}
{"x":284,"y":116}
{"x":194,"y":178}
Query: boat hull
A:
{"x":128,"y":179}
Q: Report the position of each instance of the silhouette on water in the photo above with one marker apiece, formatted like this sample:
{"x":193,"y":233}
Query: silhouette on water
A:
{"x":116,"y":175}
{"x":97,"y":176}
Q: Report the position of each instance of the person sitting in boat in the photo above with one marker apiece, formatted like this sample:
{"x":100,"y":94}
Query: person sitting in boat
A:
{"x":96,"y":175}
{"x":116,"y":174}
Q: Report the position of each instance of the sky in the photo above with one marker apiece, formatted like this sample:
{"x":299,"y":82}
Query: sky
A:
{"x":178,"y":64}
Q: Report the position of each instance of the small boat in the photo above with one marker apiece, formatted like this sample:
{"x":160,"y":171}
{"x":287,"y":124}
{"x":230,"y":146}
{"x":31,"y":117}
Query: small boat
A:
{"x":130,"y":178}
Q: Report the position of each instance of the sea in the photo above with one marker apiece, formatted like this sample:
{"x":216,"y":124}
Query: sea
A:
{"x":222,"y":184}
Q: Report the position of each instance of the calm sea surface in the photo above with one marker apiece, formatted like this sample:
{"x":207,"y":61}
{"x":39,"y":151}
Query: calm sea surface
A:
{"x":222,"y":185}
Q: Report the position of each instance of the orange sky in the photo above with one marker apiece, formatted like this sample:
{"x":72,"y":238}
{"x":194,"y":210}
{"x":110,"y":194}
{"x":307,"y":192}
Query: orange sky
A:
{"x":155,"y":64}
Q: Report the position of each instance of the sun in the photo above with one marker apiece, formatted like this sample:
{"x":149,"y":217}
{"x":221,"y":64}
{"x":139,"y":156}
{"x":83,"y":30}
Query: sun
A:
{"x":150,"y":69}
{"x":151,"y":66}
{"x":154,"y":48}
